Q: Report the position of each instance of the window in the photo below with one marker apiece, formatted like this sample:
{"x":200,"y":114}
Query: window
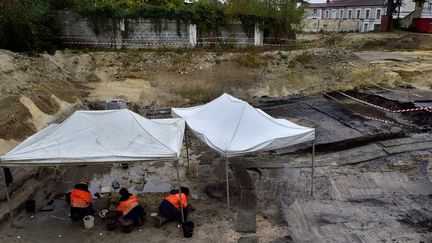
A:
{"x":341,"y":16}
{"x":315,"y":11}
{"x":378,"y":14}
{"x":350,"y":14}
{"x":327,"y":14}
{"x":358,"y":13}
{"x":333,"y":13}
{"x":367,"y":14}
{"x":430,"y":7}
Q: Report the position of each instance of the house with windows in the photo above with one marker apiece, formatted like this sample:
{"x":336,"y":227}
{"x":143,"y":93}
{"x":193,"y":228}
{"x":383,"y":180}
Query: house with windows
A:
{"x":344,"y":16}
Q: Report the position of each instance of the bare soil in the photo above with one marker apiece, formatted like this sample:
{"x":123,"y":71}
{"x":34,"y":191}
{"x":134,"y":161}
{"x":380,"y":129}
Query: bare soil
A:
{"x":38,"y":90}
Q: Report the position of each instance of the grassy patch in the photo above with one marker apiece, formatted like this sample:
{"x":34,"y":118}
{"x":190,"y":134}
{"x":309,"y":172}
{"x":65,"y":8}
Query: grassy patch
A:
{"x":364,"y":77}
{"x":251,"y":60}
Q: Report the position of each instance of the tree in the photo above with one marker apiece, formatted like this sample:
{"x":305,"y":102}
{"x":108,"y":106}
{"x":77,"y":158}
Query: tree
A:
{"x":28,"y":25}
{"x":276,"y":17}
{"x":393,"y":5}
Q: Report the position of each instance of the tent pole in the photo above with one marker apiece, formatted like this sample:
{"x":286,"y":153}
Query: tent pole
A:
{"x":178,"y":183}
{"x":227,"y":183}
{"x":7,"y":196}
{"x":312,"y":174}
{"x":187,"y":150}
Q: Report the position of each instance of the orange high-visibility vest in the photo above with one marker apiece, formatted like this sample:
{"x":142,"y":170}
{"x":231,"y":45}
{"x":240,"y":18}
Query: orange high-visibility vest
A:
{"x":80,"y":198}
{"x":174,"y":199}
{"x":126,"y":206}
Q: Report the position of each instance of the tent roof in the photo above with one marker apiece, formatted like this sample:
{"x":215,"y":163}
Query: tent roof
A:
{"x":100,"y":136}
{"x":232,"y":127}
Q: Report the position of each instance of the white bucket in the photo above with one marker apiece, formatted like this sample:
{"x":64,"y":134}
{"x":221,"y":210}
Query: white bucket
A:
{"x":88,"y":222}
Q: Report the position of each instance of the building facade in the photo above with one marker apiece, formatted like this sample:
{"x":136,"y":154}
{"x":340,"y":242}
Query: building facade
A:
{"x":344,"y":16}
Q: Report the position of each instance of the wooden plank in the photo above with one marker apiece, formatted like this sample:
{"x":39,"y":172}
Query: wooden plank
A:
{"x":416,"y":139}
{"x":408,"y":148}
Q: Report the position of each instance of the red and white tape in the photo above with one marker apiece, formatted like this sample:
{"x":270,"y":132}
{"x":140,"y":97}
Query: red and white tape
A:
{"x":395,"y":90}
{"x":126,"y":44}
{"x":365,"y":116}
{"x":404,"y":100}
{"x":383,"y":108}
{"x":130,"y":39}
{"x":224,"y":38}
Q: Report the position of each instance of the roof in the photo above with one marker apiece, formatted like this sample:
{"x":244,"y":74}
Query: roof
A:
{"x":233,"y":127}
{"x":347,"y":3}
{"x":100,"y":137}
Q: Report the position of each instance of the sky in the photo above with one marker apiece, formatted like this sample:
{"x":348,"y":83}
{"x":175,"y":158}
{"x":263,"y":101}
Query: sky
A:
{"x":317,"y":1}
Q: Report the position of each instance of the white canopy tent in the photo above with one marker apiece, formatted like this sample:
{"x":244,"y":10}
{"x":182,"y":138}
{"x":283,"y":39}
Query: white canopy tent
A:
{"x":95,"y":137}
{"x":233,"y":128}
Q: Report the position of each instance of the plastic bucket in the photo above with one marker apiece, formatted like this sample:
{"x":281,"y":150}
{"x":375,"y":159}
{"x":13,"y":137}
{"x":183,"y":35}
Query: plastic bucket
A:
{"x":188,"y":228}
{"x":127,"y":225}
{"x":88,"y":222}
{"x":30,"y":206}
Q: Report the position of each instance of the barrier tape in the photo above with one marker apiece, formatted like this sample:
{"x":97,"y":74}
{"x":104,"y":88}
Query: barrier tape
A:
{"x":167,"y":43}
{"x":127,"y":44}
{"x":382,"y":108}
{"x":388,"y":98}
{"x":133,"y":39}
{"x":404,"y":100}
{"x":225,"y":42}
{"x":397,"y":91}
{"x":365,"y":116}
{"x":225,"y":38}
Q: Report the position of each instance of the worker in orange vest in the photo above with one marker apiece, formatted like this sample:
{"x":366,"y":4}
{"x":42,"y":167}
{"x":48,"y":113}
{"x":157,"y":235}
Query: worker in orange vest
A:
{"x":170,"y":206}
{"x":80,"y":201}
{"x":130,"y":208}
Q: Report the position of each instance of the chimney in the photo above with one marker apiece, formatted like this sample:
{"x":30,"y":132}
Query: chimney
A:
{"x":328,"y":1}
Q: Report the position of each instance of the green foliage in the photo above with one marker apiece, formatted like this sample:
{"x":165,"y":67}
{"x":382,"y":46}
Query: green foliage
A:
{"x":208,"y":15}
{"x":274,"y":16}
{"x":28,"y":25}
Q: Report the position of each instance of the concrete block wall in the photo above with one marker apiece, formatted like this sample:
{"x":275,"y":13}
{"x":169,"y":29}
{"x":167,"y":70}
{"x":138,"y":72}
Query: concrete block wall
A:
{"x":233,"y":35}
{"x":131,"y":33}
{"x":77,"y":31}
{"x":146,"y":33}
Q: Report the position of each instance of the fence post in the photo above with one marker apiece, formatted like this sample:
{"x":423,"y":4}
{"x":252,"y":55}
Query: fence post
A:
{"x":192,"y":31}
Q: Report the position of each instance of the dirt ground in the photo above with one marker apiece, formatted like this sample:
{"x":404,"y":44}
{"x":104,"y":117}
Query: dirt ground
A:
{"x":385,"y":194}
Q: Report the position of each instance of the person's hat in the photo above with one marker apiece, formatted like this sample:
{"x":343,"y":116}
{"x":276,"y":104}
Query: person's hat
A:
{"x":83,"y":181}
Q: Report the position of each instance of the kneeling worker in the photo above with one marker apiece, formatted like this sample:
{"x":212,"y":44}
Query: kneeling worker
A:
{"x":170,"y":206}
{"x":80,"y":201}
{"x":129,"y":206}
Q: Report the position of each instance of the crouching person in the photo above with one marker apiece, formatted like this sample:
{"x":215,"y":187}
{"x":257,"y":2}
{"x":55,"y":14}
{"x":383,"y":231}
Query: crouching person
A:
{"x":80,"y":201}
{"x":130,"y":208}
{"x":170,"y":207}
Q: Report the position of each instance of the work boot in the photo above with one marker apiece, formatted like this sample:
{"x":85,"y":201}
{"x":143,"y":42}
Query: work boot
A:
{"x":158,"y":221}
{"x":140,"y":222}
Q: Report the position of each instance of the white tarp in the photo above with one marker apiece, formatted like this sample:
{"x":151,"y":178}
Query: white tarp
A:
{"x":100,"y":136}
{"x":232,"y":127}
